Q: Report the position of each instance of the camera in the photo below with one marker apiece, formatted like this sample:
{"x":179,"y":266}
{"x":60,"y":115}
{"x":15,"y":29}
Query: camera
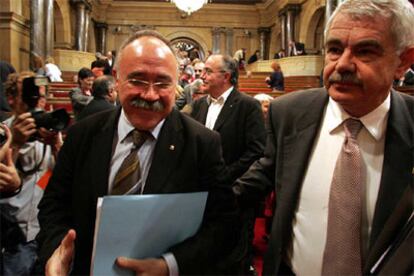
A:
{"x":3,"y":136}
{"x":56,"y":120}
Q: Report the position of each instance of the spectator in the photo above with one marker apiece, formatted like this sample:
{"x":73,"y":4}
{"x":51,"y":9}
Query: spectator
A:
{"x":52,"y":70}
{"x":5,"y":69}
{"x":280,"y":54}
{"x":240,"y":57}
{"x":296,"y":48}
{"x":264,"y":100}
{"x":276,"y":81}
{"x":82,"y":95}
{"x":254,"y":57}
{"x":104,"y":97}
{"x":186,"y":98}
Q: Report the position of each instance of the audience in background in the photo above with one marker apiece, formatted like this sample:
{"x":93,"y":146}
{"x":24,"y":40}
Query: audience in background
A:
{"x":240,"y":57}
{"x":253,"y":58}
{"x":104,"y":97}
{"x":296,"y":48}
{"x":52,"y":70}
{"x":82,"y":95}
{"x":276,"y":81}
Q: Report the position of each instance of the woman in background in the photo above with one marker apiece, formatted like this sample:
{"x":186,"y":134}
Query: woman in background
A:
{"x":276,"y":79}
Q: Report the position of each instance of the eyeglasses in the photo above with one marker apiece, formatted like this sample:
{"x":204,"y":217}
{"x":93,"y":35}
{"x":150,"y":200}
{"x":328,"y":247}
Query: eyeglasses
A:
{"x":209,"y":71}
{"x":145,"y":85}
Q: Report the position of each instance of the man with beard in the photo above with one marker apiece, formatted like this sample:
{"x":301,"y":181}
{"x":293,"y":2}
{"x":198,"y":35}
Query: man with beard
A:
{"x":93,"y":153}
{"x":340,"y":159}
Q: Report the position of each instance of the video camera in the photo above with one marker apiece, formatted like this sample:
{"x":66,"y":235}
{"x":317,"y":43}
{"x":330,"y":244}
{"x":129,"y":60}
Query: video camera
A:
{"x":56,"y":120}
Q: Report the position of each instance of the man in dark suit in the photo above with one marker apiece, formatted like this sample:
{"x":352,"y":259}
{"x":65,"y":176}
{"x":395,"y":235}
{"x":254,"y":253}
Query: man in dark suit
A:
{"x":236,"y":116}
{"x":365,"y":51}
{"x":239,"y":120}
{"x":95,"y":148}
{"x":104,"y":96}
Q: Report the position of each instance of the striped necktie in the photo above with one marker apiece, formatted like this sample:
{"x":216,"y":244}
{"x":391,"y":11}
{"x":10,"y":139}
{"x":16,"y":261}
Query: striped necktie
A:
{"x":130,"y":172}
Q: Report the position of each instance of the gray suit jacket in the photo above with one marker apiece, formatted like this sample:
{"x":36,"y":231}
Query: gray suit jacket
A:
{"x":294,"y":121}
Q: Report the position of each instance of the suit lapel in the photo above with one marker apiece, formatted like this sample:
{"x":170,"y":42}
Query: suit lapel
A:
{"x":227,"y":109}
{"x":297,"y":148}
{"x":398,"y":164}
{"x":101,"y":151}
{"x":167,"y":150}
{"x":201,"y":114}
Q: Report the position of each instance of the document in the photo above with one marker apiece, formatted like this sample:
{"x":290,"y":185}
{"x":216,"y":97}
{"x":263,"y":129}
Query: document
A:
{"x":142,"y":226}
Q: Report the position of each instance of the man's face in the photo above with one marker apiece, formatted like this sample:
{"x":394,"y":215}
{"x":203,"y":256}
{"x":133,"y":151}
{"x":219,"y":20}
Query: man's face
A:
{"x":360,"y":63}
{"x":214,"y":78}
{"x":147,"y":60}
{"x":198,"y":68}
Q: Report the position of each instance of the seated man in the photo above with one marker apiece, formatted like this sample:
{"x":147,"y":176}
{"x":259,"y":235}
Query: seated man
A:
{"x":178,"y":156}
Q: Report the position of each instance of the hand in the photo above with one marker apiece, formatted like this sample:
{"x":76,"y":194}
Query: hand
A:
{"x":5,"y":147}
{"x":52,"y":138}
{"x":9,"y":178}
{"x":144,"y":267}
{"x":22,"y":128}
{"x":59,"y":263}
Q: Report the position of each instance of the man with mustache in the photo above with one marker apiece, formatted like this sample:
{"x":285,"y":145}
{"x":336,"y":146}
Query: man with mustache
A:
{"x":342,"y":196}
{"x":146,"y":76}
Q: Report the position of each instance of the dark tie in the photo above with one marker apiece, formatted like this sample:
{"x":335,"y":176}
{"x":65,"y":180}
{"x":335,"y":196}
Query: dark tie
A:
{"x":130,"y":172}
{"x":342,"y":255}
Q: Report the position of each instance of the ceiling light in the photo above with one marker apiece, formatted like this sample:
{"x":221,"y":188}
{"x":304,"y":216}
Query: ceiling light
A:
{"x":189,"y":6}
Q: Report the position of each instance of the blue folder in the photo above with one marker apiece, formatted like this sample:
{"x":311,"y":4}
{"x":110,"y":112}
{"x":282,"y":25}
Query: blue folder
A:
{"x":143,"y":226}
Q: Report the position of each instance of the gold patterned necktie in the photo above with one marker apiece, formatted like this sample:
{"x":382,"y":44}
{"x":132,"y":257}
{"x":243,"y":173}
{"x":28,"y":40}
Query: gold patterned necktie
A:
{"x":343,"y":253}
{"x":130,"y":172}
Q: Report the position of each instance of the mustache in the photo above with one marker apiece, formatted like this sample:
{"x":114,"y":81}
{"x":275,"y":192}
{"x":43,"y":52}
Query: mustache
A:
{"x":156,"y":106}
{"x":344,"y":77}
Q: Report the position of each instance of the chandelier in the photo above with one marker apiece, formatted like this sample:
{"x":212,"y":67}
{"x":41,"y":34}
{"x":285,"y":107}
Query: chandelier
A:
{"x":189,"y":6}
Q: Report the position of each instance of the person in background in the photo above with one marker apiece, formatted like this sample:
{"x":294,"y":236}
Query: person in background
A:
{"x":52,"y":70}
{"x":238,"y":119}
{"x":276,"y":81}
{"x":254,"y":57}
{"x":34,"y":152}
{"x":5,"y":69}
{"x":38,"y":65}
{"x":280,"y":54}
{"x":240,"y":57}
{"x":186,"y":98}
{"x":264,"y":100}
{"x":82,"y":95}
{"x":340,"y":158}
{"x":104,"y":97}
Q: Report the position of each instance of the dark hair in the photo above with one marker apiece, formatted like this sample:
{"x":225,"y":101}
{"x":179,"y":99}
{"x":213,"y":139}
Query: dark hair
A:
{"x":102,"y":85}
{"x":99,"y":63}
{"x":84,"y":73}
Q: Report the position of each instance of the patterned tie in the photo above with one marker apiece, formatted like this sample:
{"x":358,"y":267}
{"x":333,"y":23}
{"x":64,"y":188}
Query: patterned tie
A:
{"x":342,"y":255}
{"x":130,"y":172}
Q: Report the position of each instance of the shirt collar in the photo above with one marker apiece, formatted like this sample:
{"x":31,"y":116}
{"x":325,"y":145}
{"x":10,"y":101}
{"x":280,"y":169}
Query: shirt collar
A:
{"x":125,"y":127}
{"x":222,"y":99}
{"x":374,"y":121}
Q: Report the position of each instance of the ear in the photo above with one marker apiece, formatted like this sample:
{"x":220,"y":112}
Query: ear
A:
{"x":406,"y":58}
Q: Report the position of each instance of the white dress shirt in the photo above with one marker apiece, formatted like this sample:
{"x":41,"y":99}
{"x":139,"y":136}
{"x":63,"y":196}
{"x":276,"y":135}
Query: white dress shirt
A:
{"x":215,"y":106}
{"x":123,"y":148}
{"x":305,"y":254}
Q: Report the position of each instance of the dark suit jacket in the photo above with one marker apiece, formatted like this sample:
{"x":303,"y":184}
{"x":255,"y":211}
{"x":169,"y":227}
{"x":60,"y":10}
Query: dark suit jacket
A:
{"x":294,"y":121}
{"x":95,"y":106}
{"x":81,"y":176}
{"x":241,"y":127}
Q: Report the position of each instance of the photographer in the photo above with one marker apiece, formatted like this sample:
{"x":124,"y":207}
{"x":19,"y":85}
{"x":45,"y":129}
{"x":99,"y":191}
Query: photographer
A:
{"x":33,"y":152}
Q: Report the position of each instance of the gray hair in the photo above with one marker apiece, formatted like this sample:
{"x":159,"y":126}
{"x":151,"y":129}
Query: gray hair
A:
{"x":400,"y":13}
{"x":102,"y":85}
{"x":230,"y":65}
{"x":138,"y":35}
